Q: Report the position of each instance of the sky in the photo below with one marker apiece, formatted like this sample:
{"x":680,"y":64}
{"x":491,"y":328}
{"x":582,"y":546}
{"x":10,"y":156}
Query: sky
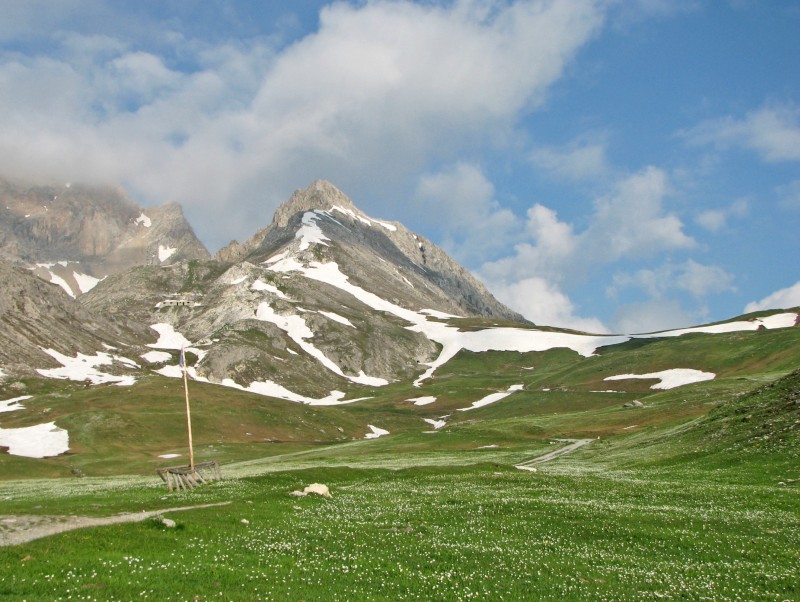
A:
{"x":603,"y":165}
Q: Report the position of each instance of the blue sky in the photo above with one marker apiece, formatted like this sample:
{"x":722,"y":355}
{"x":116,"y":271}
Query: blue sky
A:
{"x":602,"y":165}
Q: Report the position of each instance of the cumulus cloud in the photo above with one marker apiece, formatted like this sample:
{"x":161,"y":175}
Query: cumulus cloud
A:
{"x":578,"y":160}
{"x":375,"y":94}
{"x":715,"y":220}
{"x":772,"y":131}
{"x":781,"y":299}
{"x":628,"y":222}
{"x":691,"y":277}
{"x":460,"y":199}
{"x":543,"y":303}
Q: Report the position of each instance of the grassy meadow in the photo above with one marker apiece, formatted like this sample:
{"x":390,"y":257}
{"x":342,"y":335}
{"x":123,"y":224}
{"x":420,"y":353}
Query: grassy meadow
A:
{"x":693,"y":496}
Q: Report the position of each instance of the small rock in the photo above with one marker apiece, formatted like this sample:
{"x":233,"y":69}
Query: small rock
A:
{"x":244,"y":521}
{"x":168,"y":523}
{"x":298,"y":493}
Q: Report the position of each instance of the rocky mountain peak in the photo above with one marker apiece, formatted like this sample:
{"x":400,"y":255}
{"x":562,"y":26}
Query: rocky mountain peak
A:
{"x":320,"y":195}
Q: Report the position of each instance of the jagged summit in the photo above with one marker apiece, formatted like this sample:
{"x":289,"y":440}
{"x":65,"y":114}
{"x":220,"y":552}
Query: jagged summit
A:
{"x":321,"y":195}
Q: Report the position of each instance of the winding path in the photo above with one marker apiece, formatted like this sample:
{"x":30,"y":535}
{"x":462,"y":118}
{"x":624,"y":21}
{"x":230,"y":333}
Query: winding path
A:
{"x":567,"y":449}
{"x":17,"y":529}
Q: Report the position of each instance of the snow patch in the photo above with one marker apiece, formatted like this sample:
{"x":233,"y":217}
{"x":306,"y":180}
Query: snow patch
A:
{"x":261,"y":286}
{"x":165,"y":252}
{"x":422,"y":401}
{"x":84,"y":367}
{"x":11,"y":405}
{"x":40,"y":441}
{"x":436,"y":424}
{"x":239,"y":280}
{"x":143,"y":220}
{"x":376,"y":432}
{"x":156,"y":357}
{"x":62,"y":283}
{"x":337,"y":318}
{"x":310,"y":233}
{"x":169,"y":456}
{"x":85,"y":282}
{"x":168,"y":337}
{"x":669,"y":379}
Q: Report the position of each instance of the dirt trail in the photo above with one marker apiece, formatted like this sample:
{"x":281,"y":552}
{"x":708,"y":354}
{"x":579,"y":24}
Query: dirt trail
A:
{"x":567,"y":449}
{"x":17,"y":529}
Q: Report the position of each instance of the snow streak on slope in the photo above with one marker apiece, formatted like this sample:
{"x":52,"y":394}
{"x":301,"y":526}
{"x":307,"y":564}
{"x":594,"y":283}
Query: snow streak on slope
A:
{"x":271,"y":389}
{"x":376,"y":432}
{"x":451,"y":339}
{"x":492,"y":398}
{"x":310,"y":233}
{"x":295,"y":326}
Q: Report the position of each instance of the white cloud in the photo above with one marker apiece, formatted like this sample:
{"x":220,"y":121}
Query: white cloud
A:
{"x":460,"y":199}
{"x":715,"y":220}
{"x":772,"y":131}
{"x":782,"y":299}
{"x":692,"y":277}
{"x":579,"y":160}
{"x":631,"y":222}
{"x":379,"y":91}
{"x":543,"y":303}
{"x":628,"y":223}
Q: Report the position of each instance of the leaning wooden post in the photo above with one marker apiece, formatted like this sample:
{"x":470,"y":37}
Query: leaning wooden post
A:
{"x":188,"y":412}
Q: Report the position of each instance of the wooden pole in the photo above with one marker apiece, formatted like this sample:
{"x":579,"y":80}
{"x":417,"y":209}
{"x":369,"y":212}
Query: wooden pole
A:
{"x":188,"y":412}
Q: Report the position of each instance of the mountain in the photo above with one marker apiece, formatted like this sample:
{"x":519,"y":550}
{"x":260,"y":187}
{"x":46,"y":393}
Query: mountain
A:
{"x":74,"y":235}
{"x":257,"y":319}
{"x":325,"y":306}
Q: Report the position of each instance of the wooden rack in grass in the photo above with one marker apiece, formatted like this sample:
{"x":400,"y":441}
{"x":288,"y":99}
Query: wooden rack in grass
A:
{"x":193,"y":475}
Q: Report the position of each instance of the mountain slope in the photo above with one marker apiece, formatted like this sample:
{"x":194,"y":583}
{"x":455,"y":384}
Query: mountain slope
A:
{"x":35,"y":315}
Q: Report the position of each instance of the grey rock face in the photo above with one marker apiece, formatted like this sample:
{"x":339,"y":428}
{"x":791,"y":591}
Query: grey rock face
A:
{"x":96,"y":231}
{"x":36,"y":315}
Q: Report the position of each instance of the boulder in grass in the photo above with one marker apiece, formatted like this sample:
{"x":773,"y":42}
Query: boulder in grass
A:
{"x":633,"y":404}
{"x":315,"y":488}
{"x":318,"y":489}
